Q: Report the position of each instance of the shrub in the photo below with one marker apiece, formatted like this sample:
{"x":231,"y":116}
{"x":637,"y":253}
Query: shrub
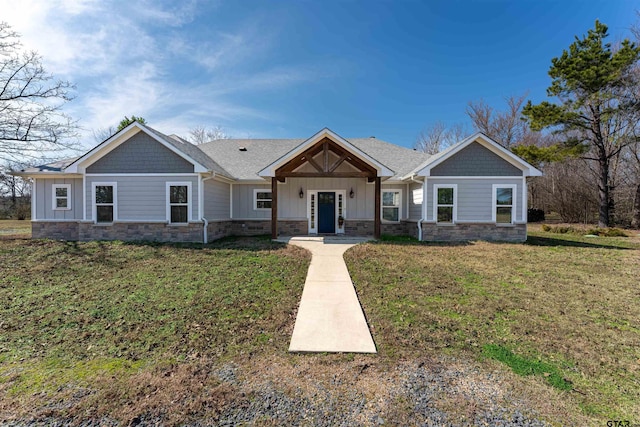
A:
{"x":607,"y":232}
{"x":535,"y":215}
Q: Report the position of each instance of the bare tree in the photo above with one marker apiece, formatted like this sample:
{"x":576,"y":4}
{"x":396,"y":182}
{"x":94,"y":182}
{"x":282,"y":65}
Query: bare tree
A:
{"x":506,"y":127}
{"x":15,"y":192}
{"x":201,"y":134}
{"x":436,"y":137}
{"x":31,"y":119}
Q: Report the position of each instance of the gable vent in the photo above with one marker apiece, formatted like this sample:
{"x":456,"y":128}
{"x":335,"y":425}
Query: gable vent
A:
{"x":242,"y":148}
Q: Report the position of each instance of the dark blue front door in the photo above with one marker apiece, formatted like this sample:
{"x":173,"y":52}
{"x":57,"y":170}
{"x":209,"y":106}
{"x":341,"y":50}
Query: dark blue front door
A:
{"x":326,"y":212}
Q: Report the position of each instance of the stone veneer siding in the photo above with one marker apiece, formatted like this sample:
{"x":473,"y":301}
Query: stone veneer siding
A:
{"x":157,"y":232}
{"x":54,"y":230}
{"x":466,"y":232}
{"x":219,"y":229}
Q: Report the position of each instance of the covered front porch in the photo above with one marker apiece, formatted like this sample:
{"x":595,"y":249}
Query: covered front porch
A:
{"x":329,"y":184}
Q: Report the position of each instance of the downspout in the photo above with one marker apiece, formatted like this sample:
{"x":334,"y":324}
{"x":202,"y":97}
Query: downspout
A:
{"x":205,"y":238}
{"x":421,"y":207}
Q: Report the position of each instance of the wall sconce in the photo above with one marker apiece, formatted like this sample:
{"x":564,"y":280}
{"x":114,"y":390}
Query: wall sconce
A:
{"x":301,"y":193}
{"x":351,"y":193}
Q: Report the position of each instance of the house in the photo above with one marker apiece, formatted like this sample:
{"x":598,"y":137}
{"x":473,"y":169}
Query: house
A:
{"x":141,"y":184}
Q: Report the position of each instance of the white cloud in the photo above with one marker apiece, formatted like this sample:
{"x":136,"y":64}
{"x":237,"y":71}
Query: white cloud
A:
{"x":134,"y":57}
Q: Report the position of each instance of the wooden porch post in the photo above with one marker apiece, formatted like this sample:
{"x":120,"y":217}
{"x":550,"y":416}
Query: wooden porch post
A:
{"x":377,"y":213}
{"x":274,"y":207}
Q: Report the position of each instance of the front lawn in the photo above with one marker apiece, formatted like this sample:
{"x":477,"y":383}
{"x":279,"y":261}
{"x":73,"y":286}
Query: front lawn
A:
{"x":562,"y":310}
{"x":469,"y":334}
{"x":95,"y":320}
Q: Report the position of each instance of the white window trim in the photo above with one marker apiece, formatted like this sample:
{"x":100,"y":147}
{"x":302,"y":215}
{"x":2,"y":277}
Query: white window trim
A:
{"x":391,"y":190}
{"x":94,"y":215}
{"x":436,"y":187}
{"x":168,"y":185}
{"x":54,"y":204}
{"x":494,"y":203}
{"x":255,"y":198}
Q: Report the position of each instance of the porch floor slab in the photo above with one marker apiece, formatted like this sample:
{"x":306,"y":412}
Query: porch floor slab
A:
{"x":330,"y":318}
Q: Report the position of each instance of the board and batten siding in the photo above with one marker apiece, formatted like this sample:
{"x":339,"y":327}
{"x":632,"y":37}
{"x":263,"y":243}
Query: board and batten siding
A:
{"x":44,"y":199}
{"x":415,"y":201}
{"x":141,"y":154}
{"x":291,"y":206}
{"x":475,"y":197}
{"x":142,"y":198}
{"x":475,"y":160}
{"x":216,"y":199}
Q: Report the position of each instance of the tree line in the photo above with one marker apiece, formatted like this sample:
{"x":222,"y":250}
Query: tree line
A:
{"x":586,"y":138}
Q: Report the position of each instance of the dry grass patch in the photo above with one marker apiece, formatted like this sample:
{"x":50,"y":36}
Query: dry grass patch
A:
{"x":568,"y":303}
{"x":14,"y":229}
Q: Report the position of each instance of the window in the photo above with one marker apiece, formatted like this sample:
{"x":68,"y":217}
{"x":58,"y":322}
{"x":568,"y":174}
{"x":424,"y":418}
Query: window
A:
{"x":261,"y":199}
{"x":445,"y":197}
{"x":178,"y":206}
{"x":391,"y":202}
{"x":503,"y":197}
{"x":61,"y":196}
{"x":104,"y":197}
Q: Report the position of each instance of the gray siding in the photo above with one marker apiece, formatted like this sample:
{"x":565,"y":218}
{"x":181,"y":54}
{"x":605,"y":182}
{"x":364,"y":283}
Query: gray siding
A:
{"x":475,"y":160}
{"x":415,"y":201}
{"x":141,"y":154}
{"x":216,"y":199}
{"x":44,"y":199}
{"x":243,"y":202}
{"x":143,"y":198}
{"x":475,"y":197}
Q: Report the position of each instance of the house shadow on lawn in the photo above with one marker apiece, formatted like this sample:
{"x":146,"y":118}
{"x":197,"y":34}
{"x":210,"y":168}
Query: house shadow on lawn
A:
{"x":551,"y":241}
{"x":238,"y":243}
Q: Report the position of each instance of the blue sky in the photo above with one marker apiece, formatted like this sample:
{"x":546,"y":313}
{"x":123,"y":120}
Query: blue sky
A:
{"x":286,"y":69}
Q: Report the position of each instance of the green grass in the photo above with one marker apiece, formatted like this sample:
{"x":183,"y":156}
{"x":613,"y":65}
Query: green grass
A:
{"x":563,"y":309}
{"x":524,"y":366}
{"x":117,"y":329}
{"x":77,"y":313}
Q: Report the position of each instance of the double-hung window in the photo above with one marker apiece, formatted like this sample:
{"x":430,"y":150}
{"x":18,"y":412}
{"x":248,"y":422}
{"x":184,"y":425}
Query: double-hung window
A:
{"x":445,"y":209}
{"x":391,"y":202}
{"x":178,"y":206}
{"x":61,"y":196}
{"x":104,"y":206}
{"x":503,"y":203}
{"x":261,"y":199}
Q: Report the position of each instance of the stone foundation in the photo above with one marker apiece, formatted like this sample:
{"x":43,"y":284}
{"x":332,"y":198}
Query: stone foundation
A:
{"x":466,"y":232}
{"x":412,"y":229}
{"x":251,"y":228}
{"x":358,"y":227}
{"x":54,"y":230}
{"x":292,"y":227}
{"x":219,"y":229}
{"x":132,"y":231}
{"x":394,"y":229}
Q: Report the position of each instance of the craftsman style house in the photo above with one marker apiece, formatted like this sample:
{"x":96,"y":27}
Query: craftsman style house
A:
{"x":143,"y":185}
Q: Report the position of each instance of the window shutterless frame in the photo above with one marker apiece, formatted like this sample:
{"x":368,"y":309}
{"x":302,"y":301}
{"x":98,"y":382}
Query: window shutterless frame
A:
{"x":390,"y":205}
{"x":178,"y":200}
{"x":262,"y":199}
{"x":504,"y":203}
{"x":104,"y":202}
{"x":445,"y":203}
{"x":61,"y":197}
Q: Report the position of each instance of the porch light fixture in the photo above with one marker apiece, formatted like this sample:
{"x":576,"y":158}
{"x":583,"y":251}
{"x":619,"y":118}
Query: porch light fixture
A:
{"x":351,"y":193}
{"x":301,"y":193}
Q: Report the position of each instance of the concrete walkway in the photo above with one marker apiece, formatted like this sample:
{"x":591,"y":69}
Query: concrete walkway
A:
{"x":330,"y":318}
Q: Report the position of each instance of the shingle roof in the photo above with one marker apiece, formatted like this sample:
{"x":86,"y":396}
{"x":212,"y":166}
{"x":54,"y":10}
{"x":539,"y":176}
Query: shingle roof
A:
{"x":51,"y":167}
{"x":259,"y":153}
{"x":245,"y":165}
